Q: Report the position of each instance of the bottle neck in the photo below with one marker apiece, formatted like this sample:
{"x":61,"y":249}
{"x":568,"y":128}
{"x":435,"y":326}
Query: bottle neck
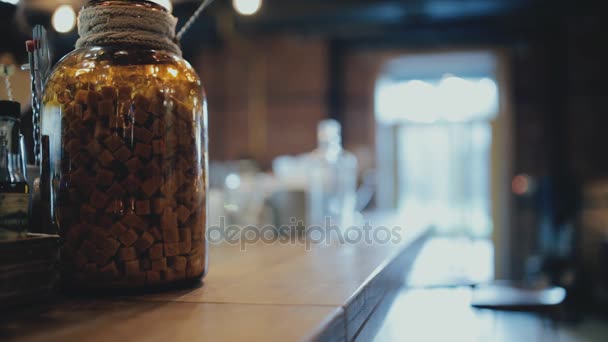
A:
{"x":330,"y":148}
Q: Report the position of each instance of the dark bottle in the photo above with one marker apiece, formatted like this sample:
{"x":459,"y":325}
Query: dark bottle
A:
{"x":14,"y":189}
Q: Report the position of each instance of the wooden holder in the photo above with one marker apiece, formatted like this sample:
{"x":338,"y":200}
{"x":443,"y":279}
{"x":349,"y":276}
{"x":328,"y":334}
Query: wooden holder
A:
{"x":28,"y":269}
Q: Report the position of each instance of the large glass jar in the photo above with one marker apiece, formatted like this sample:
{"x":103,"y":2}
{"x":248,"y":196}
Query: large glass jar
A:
{"x":127,"y":151}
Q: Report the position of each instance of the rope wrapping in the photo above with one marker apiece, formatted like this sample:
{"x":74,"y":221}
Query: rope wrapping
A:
{"x":127,"y":25}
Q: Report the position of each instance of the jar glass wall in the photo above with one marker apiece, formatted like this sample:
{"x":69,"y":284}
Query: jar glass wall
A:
{"x":127,"y":151}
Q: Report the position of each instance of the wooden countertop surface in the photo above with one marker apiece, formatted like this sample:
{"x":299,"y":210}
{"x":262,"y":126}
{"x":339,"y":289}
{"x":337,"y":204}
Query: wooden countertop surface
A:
{"x":264,"y":293}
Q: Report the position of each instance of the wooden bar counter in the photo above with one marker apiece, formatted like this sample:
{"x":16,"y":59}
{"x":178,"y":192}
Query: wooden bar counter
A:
{"x":275,"y":292}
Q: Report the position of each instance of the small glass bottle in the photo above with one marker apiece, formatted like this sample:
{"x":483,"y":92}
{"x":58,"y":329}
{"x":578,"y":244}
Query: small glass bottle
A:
{"x":333,"y":180}
{"x":14,"y":189}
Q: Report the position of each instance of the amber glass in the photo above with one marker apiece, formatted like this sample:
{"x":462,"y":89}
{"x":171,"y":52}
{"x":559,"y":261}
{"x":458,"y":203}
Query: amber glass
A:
{"x":128,"y":162}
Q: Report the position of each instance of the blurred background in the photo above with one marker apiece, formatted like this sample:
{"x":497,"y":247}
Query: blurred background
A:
{"x":483,"y":119}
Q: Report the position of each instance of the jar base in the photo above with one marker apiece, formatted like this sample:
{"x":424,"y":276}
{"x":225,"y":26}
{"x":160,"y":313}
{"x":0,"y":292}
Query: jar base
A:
{"x":86,"y":289}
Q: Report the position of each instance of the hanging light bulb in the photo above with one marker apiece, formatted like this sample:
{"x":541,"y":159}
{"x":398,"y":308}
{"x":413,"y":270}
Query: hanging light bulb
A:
{"x":64,"y":19}
{"x":247,"y":7}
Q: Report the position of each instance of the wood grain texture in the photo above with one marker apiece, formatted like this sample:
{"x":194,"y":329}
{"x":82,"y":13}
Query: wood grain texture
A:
{"x":108,"y":320}
{"x":278,"y":292}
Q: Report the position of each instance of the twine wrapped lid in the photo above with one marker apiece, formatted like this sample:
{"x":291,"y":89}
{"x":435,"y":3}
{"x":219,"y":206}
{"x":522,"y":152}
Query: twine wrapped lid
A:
{"x":132,"y":23}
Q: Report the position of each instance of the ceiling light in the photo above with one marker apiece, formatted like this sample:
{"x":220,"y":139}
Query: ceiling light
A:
{"x":64,"y":19}
{"x":247,"y":7}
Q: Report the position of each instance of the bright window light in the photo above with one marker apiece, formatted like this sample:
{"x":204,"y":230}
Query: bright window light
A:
{"x":64,"y":19}
{"x":451,"y":99}
{"x":12,"y":2}
{"x":247,"y":7}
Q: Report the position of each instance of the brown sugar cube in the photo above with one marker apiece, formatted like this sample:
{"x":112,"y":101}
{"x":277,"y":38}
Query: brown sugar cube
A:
{"x":177,"y":262}
{"x":132,"y":220}
{"x":151,"y":169}
{"x":117,"y":230}
{"x":170,"y":234}
{"x":156,"y":107}
{"x":168,"y":220}
{"x":150,"y":186}
{"x":105,"y":158}
{"x":156,"y":251}
{"x":105,"y":108}
{"x":152,"y":276}
{"x":93,"y":148}
{"x":99,"y":199}
{"x":114,"y":122}
{"x":98,"y":257}
{"x":109,"y":93}
{"x":81,"y":96}
{"x":131,"y":183}
{"x":169,"y":187}
{"x":181,"y":110}
{"x":140,"y":116}
{"x":127,"y":254}
{"x":128,"y":237}
{"x":87,"y":188}
{"x":143,"y":134}
{"x":107,"y":245}
{"x":142,"y":207}
{"x":143,"y":150}
{"x":97,"y":232}
{"x":171,"y":249}
{"x":132,"y":268}
{"x":157,"y":128}
{"x":104,"y":177}
{"x":158,"y":205}
{"x":92,"y":99}
{"x":89,"y":116}
{"x":116,"y":190}
{"x":109,"y":269}
{"x":158,"y":147}
{"x":110,"y":246}
{"x":155,"y":232}
{"x":180,"y":274}
{"x":145,"y":241}
{"x":133,"y":164}
{"x":123,"y":154}
{"x":124,"y":93}
{"x":182,"y":214}
{"x":115,"y":208}
{"x":168,"y":275}
{"x":185,"y":247}
{"x":197,"y":247}
{"x":105,"y":220}
{"x":113,"y":142}
{"x":145,"y":264}
{"x":87,"y":213}
{"x":79,"y":176}
{"x":159,"y":264}
{"x":80,"y":159}
{"x":185,"y":234}
{"x":141,"y":102}
{"x":101,"y":131}
{"x":74,"y":146}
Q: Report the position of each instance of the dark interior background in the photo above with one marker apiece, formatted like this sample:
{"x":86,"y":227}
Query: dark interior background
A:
{"x":271,"y":77}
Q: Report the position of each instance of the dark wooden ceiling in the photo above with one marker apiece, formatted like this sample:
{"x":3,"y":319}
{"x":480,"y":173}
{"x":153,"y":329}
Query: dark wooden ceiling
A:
{"x":370,"y":22}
